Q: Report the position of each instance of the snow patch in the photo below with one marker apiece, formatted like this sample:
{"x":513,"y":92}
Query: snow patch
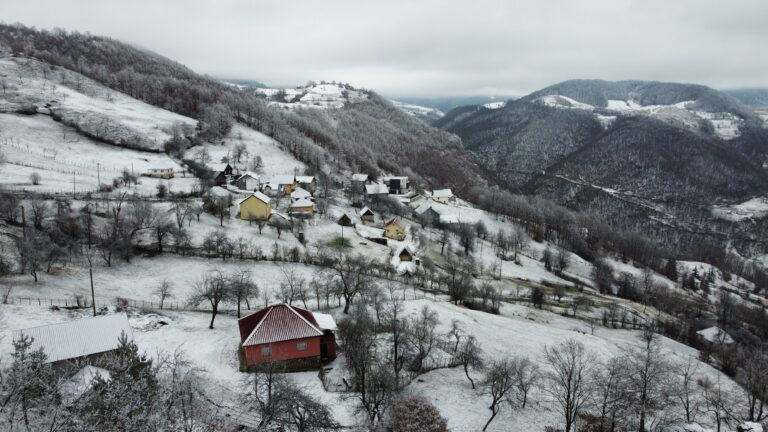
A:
{"x":559,"y":101}
{"x":495,"y":105}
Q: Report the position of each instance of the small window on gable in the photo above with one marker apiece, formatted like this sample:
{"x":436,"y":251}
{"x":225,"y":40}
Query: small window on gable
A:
{"x":266,"y":351}
{"x":301,"y":346}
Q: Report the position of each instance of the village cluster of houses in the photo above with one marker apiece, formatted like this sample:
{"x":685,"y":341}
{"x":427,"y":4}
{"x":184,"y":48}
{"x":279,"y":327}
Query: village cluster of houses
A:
{"x":255,"y":196}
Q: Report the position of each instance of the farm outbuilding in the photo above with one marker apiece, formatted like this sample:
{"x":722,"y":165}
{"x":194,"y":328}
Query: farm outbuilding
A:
{"x":345,"y":220}
{"x":289,"y":334}
{"x":367,"y":215}
{"x":78,"y":340}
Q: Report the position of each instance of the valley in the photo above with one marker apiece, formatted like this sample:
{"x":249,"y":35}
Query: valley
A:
{"x":593,"y":229}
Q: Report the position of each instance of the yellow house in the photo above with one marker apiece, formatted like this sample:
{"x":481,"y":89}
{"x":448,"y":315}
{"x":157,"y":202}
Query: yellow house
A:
{"x":255,"y":207}
{"x":394,"y":229}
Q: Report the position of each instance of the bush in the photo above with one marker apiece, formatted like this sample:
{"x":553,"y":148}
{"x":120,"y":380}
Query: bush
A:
{"x":416,"y":415}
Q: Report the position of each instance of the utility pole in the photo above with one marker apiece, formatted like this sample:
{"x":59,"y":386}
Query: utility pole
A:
{"x":90,"y":273}
{"x":98,"y":175}
{"x":73,"y":185}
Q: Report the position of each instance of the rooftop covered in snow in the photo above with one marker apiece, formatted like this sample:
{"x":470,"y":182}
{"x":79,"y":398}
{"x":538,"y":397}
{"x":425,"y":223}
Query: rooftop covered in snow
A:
{"x":78,"y":338}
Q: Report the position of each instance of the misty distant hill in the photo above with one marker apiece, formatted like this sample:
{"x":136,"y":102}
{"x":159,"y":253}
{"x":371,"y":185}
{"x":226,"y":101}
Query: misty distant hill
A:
{"x":751,"y":97}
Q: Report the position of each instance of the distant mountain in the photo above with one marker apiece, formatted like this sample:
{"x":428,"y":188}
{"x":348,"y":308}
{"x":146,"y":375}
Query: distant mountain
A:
{"x":645,"y":155}
{"x":246,"y":83}
{"x":424,"y":113}
{"x":446,"y":104}
{"x":751,"y":97}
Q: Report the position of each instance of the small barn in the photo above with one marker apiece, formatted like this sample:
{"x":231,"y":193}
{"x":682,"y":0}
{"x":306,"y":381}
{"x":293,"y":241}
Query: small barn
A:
{"x":248,"y":181}
{"x":444,"y":196}
{"x":367,"y":215}
{"x":394,"y":229}
{"x":345,"y":220}
{"x":80,"y":340}
{"x":221,"y":172}
{"x":406,"y":254}
{"x":284,"y":333}
{"x":360,"y":178}
{"x":256,"y":206}
{"x":427,"y":213}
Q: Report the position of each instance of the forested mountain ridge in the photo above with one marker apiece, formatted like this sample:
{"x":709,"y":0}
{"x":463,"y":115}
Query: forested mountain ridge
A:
{"x":367,"y":133}
{"x":643,"y":155}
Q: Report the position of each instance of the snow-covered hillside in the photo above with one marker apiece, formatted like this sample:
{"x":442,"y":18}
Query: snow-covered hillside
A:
{"x":313,"y":96}
{"x":65,"y":159}
{"x":725,"y":125}
{"x":33,"y":86}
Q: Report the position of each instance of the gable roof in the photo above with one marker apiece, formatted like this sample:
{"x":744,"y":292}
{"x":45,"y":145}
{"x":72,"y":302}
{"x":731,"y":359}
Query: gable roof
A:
{"x":302,"y":203}
{"x":78,"y":338}
{"x":249,"y":174}
{"x":424,"y":207}
{"x":284,"y":179}
{"x":442,"y":193}
{"x":396,"y":222}
{"x":217,"y":167}
{"x":258,"y":195}
{"x":376,"y":189}
{"x":279,"y":323}
{"x":359,"y":177}
{"x":219,"y":192}
{"x":305,"y":179}
{"x":299,"y":193}
{"x":365,"y":211}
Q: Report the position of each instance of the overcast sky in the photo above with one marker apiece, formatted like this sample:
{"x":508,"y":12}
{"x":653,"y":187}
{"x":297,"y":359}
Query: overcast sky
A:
{"x":434,"y":48}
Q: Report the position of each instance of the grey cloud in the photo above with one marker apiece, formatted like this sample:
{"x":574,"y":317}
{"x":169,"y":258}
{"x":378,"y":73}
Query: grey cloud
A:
{"x":425,"y":48}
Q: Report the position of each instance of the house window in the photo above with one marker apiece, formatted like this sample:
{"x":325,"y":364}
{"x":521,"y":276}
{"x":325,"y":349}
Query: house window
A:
{"x":301,"y":346}
{"x":266,"y":351}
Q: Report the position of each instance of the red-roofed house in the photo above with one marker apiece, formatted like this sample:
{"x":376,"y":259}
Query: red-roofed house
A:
{"x":284,"y":333}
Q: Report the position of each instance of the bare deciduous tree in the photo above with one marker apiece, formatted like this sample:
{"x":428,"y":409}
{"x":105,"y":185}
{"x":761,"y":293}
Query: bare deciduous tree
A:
{"x":567,"y":381}
{"x":499,"y":383}
{"x":163,"y":291}
{"x":212,"y":288}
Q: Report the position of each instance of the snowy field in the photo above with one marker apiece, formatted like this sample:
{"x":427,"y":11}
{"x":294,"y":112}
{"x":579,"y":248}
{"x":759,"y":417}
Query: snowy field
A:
{"x":37,"y":144}
{"x":94,"y":107}
{"x":276,"y":161}
{"x":518,"y":331}
{"x":754,"y":208}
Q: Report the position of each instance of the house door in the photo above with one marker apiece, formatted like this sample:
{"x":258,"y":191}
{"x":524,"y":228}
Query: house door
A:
{"x":324,"y":349}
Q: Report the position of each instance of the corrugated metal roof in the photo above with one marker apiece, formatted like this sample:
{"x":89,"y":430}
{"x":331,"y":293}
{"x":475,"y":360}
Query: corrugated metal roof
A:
{"x":281,"y":323}
{"x":78,"y":338}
